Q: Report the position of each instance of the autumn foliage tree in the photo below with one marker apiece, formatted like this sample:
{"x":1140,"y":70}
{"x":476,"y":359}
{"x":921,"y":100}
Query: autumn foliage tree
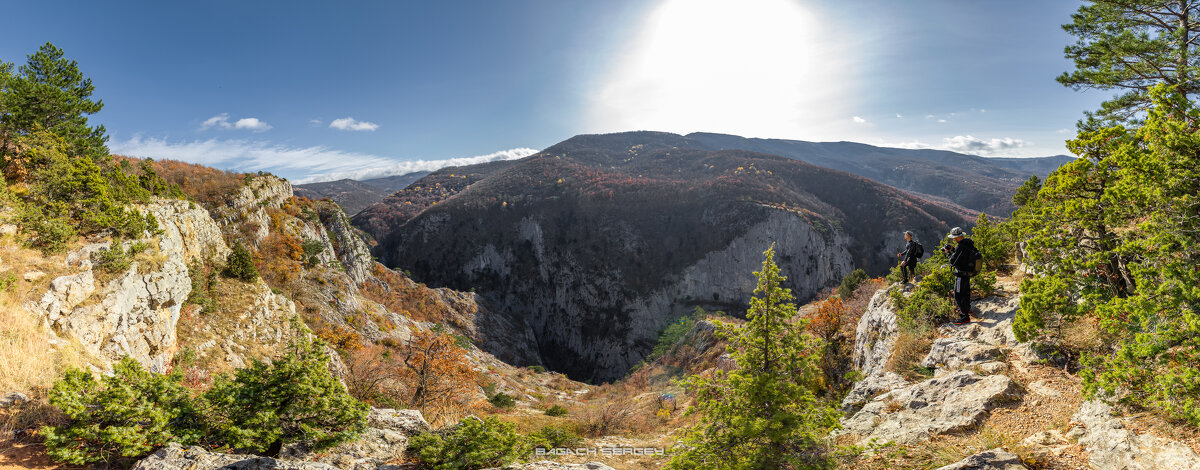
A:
{"x":429,"y":372}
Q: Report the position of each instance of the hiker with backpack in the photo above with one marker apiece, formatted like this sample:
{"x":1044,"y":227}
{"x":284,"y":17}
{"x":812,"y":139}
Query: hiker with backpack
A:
{"x":912,"y":253}
{"x":966,"y":261}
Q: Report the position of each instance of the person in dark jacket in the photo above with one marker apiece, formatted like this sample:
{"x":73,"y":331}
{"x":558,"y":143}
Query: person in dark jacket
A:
{"x":961,"y":260}
{"x":909,"y":256}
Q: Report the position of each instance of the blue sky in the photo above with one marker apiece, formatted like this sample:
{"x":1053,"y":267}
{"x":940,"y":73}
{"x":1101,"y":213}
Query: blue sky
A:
{"x":318,"y":90}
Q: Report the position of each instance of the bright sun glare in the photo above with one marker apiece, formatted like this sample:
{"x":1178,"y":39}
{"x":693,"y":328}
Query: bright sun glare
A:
{"x":752,"y":67}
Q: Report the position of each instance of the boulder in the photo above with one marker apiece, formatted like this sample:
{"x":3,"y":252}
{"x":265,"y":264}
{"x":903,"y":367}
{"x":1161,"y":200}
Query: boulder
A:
{"x":1043,"y":444}
{"x":952,"y":353}
{"x":549,"y":465}
{"x":995,"y":459}
{"x":1111,"y":446}
{"x":13,"y":399}
{"x":384,"y":442}
{"x":406,"y":421}
{"x":176,"y":457}
{"x":955,"y":402}
{"x":65,"y":293}
{"x":869,"y":388}
{"x":33,"y":275}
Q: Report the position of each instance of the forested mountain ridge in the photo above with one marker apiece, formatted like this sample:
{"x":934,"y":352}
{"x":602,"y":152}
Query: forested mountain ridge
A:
{"x":982,"y":184}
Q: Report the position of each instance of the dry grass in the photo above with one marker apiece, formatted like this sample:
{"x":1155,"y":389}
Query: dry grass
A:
{"x":911,"y":347}
{"x":28,"y":362}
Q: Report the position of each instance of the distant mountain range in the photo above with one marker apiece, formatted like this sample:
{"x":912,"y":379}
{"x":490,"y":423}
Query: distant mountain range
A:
{"x":355,"y":195}
{"x":978,"y":183}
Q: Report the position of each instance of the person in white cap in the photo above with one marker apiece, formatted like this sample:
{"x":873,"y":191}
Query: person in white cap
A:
{"x":961,"y":260}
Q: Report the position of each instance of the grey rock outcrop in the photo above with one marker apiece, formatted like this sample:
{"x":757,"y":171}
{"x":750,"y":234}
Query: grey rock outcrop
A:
{"x":1111,"y":445}
{"x":351,"y":250}
{"x":176,"y":457}
{"x":955,"y":402}
{"x":65,"y":293}
{"x":1043,"y":444}
{"x":187,"y":230}
{"x":260,"y":327}
{"x":136,"y":313}
{"x":875,"y":335}
{"x":873,"y":341}
{"x":995,"y":459}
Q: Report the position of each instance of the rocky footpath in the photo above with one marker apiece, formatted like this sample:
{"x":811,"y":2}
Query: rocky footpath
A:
{"x":981,"y":370}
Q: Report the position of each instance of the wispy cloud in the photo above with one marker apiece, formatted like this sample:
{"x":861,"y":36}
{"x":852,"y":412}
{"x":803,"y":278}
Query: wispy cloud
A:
{"x":420,"y":165}
{"x":968,"y":144}
{"x":973,"y":145}
{"x":302,"y":164}
{"x":221,"y":121}
{"x":350,"y":124}
{"x":859,"y":120}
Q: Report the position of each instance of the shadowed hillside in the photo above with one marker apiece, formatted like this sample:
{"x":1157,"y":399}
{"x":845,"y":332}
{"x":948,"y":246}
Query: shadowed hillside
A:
{"x":588,"y":248}
{"x":355,"y":195}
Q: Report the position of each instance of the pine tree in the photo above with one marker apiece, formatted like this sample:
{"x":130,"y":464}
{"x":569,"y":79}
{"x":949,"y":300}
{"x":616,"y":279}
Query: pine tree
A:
{"x":50,"y":93}
{"x":240,"y":264}
{"x":118,"y":418}
{"x":763,"y":414}
{"x":1132,"y":45}
{"x":295,"y":398}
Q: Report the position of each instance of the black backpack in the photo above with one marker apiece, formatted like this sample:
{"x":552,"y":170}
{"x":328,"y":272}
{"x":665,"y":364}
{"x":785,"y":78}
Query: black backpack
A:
{"x":976,"y":262}
{"x":918,"y":250}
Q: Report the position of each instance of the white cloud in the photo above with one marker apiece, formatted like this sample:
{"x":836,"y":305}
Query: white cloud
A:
{"x":859,"y":120}
{"x":253,"y":124}
{"x":420,"y":165}
{"x":303,"y":164}
{"x":941,"y":121}
{"x":972,"y":145}
{"x":350,"y":124}
{"x":898,"y":116}
{"x":315,"y":122}
{"x":221,"y":121}
{"x":968,"y":144}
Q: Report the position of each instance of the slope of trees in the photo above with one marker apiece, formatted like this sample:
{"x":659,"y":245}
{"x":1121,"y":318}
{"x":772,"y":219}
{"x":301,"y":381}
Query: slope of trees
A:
{"x":1115,"y":238}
